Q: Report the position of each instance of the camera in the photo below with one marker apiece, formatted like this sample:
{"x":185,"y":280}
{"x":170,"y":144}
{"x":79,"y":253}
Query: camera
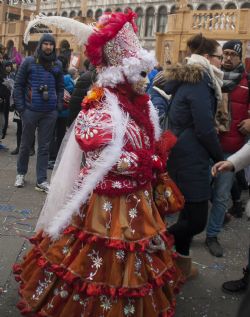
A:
{"x":43,"y":89}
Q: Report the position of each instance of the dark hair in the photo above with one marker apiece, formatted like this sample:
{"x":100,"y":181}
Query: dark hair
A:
{"x":65,"y":63}
{"x":200,"y":45}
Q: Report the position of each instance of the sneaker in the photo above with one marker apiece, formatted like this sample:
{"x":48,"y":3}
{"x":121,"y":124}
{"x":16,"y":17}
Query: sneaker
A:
{"x":43,"y":187}
{"x":19,"y":180}
{"x":214,"y":246}
{"x":237,"y":286}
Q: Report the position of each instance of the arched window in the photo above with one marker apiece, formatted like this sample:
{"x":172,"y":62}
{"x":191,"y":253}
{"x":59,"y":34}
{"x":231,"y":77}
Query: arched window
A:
{"x":150,"y":17}
{"x":190,"y":6}
{"x":98,"y":13}
{"x":173,"y":9}
{"x":50,"y":14}
{"x":230,"y":5}
{"x":245,"y":5}
{"x":108,"y":10}
{"x":79,"y":13}
{"x":216,"y":6}
{"x":90,"y":14}
{"x":202,"y":6}
{"x":72,"y":14}
{"x":139,"y":19}
{"x":118,"y":10}
{"x":64,"y":14}
{"x":162,"y":19}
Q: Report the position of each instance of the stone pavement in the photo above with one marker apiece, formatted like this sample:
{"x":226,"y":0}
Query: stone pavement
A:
{"x":19,"y":210}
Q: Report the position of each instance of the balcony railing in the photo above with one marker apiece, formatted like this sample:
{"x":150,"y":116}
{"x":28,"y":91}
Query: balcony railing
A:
{"x":226,"y":20}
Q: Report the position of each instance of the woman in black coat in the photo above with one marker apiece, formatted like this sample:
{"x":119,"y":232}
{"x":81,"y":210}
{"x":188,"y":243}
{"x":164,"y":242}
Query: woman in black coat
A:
{"x":82,"y":86}
{"x":196,"y":89}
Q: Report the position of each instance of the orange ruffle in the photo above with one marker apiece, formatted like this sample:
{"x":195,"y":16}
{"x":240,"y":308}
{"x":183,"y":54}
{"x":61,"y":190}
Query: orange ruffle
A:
{"x":102,"y":264}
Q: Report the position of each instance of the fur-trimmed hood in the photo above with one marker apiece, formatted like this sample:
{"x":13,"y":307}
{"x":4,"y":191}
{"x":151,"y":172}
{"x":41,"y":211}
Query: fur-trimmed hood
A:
{"x":185,"y":73}
{"x":179,"y":74}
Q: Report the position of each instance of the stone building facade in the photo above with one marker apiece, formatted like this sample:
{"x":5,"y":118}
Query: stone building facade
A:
{"x":152,"y":14}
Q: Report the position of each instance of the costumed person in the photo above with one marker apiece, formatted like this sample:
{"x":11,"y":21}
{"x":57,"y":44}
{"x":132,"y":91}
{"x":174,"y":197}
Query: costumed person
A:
{"x":101,"y":247}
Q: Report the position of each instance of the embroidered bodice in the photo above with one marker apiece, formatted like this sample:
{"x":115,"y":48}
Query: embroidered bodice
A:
{"x":137,"y":163}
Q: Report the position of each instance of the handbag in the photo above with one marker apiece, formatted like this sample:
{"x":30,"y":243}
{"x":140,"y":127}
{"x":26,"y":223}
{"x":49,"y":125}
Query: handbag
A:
{"x":167,"y":196}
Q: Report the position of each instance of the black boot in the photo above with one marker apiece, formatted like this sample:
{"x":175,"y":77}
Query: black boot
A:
{"x":237,"y":209}
{"x":237,"y":286}
{"x":15,"y":152}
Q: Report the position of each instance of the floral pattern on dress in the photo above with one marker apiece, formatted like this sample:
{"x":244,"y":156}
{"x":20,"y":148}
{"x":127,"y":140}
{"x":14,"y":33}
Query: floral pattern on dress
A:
{"x":97,"y":262}
{"x":133,"y":212}
{"x":43,"y":285}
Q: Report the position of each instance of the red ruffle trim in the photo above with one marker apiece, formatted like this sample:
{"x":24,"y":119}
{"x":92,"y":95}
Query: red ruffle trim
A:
{"x":92,"y":289}
{"x":89,"y":238}
{"x":26,"y":310}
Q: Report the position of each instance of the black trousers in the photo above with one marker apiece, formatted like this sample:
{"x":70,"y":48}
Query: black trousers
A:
{"x":59,"y":133}
{"x":192,"y":220}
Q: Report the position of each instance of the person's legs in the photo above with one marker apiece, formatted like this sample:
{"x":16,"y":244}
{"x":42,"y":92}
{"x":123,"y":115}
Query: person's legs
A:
{"x":29,"y":124}
{"x":45,"y":132}
{"x":239,"y":184}
{"x":61,"y":130}
{"x":6,"y":121}
{"x":192,"y":220}
{"x":221,"y":193}
{"x":18,"y":137}
{"x":1,"y":128}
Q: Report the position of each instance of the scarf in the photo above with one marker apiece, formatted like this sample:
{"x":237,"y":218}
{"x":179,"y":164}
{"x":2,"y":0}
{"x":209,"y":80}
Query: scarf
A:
{"x":215,"y":74}
{"x":232,"y":78}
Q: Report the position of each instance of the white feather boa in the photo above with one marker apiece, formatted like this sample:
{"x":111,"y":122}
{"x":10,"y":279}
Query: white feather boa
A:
{"x":108,"y":157}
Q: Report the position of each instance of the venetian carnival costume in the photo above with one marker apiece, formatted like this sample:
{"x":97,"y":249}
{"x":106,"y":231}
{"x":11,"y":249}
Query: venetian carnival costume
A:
{"x":101,"y":247}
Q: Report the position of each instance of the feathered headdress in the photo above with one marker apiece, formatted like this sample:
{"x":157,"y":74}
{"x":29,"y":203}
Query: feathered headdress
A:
{"x":112,"y":45}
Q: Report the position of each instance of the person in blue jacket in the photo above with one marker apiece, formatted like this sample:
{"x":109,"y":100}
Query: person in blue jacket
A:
{"x":160,"y":99}
{"x":38,"y":95}
{"x":195,"y":89}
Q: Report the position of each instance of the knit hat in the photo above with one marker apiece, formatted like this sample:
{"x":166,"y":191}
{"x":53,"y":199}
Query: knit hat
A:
{"x":47,"y":38}
{"x":234,"y":45}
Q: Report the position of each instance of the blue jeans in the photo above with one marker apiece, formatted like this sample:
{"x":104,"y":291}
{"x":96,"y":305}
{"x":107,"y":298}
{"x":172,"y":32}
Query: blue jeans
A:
{"x":44,"y":122}
{"x":220,"y":197}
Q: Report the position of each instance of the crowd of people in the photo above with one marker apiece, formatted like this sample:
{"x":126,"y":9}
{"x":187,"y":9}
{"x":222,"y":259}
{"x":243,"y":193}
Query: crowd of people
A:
{"x":109,"y":133}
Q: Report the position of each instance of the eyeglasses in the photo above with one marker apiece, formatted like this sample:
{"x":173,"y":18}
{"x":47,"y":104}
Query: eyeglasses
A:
{"x":220,"y":57}
{"x":231,"y":54}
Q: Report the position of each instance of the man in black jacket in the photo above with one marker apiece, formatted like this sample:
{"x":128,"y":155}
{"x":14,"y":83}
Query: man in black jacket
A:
{"x":82,"y":86}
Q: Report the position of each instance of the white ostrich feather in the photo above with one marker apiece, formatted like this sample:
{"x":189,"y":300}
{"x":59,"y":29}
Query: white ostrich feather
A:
{"x":154,"y":118}
{"x":80,"y":30}
{"x":101,"y":166}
